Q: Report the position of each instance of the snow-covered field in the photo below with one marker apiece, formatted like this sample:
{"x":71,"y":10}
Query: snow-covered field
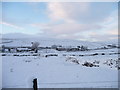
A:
{"x":60,"y":69}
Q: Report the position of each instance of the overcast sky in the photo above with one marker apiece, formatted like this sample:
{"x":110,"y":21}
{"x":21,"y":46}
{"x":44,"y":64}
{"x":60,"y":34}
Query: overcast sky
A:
{"x":93,"y":21}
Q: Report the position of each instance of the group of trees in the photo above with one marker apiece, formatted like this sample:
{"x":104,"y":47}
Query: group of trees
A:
{"x":70,"y":48}
{"x":34,"y":47}
{"x":83,"y":48}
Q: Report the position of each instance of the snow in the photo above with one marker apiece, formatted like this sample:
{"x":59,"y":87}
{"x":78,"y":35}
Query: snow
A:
{"x":56,"y":71}
{"x":50,"y":42}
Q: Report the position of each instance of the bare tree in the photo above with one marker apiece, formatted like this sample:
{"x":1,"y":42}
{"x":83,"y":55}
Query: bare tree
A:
{"x":84,"y":48}
{"x":35,"y":46}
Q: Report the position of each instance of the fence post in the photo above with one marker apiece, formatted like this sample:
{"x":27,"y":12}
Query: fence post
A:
{"x":35,"y":84}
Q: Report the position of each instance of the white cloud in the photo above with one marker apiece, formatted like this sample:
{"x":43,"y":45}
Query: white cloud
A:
{"x":83,"y":12}
{"x":11,"y":25}
{"x":66,"y":10}
{"x":68,"y":30}
{"x":111,"y":24}
{"x":80,"y":21}
{"x":56,"y":11}
{"x":71,"y":28}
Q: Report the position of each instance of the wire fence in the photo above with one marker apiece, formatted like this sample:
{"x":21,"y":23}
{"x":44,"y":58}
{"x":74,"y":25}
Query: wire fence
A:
{"x":95,"y":84}
{"x":81,"y":82}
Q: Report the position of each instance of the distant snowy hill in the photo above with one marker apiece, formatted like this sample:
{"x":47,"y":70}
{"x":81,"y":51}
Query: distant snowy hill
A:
{"x":18,"y":39}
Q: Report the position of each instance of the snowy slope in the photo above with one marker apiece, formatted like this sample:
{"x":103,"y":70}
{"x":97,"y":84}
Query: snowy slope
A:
{"x":45,"y":42}
{"x":58,"y":71}
{"x":54,"y":72}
